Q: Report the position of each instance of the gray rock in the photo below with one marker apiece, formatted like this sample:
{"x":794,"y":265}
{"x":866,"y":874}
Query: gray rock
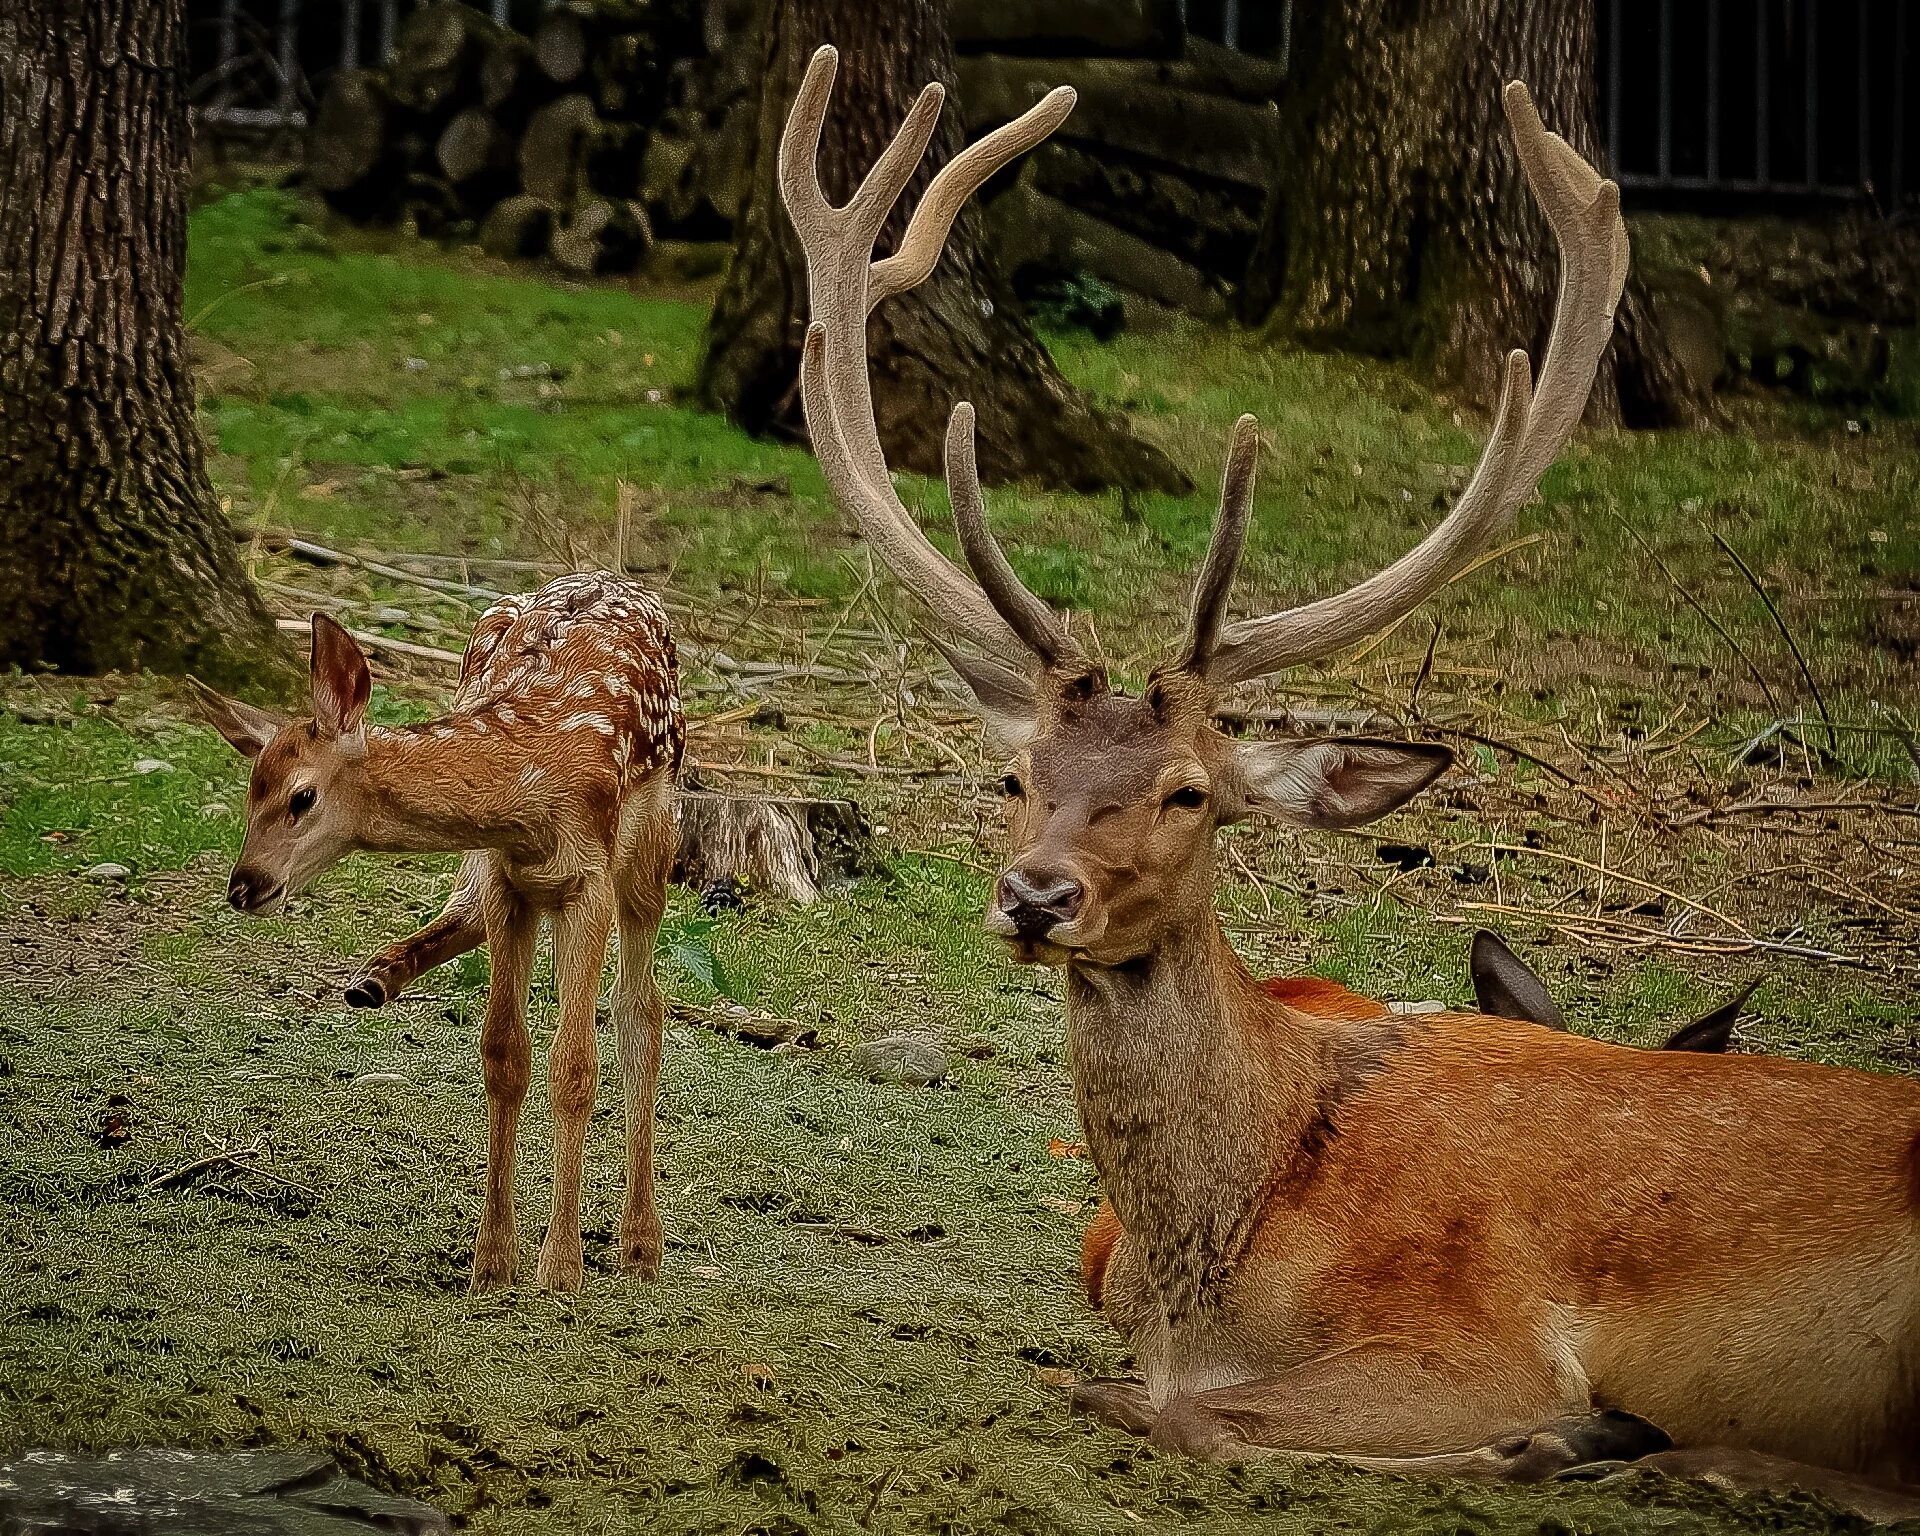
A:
{"x":902,"y":1059}
{"x":383,"y":1080}
{"x":115,"y":872}
{"x":154,"y":1491}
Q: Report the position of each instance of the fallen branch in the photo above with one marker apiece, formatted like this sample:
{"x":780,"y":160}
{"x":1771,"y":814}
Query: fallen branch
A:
{"x":379,"y":643}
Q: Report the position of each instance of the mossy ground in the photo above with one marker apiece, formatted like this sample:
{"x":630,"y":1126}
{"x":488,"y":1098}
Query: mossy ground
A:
{"x":868,"y":1307}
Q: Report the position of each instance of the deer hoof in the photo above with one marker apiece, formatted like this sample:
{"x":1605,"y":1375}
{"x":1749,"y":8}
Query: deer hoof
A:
{"x":559,"y":1273}
{"x":366,"y":992}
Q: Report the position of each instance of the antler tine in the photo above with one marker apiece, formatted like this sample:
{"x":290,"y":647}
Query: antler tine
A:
{"x":1229,"y":538}
{"x":1531,"y":425}
{"x":844,"y":283}
{"x":957,"y":181}
{"x":1029,"y":618}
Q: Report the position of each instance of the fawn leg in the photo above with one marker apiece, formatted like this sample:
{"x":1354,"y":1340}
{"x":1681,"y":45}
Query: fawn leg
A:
{"x":581,"y":929}
{"x":506,"y":1062}
{"x":460,"y":926}
{"x":1119,"y":1402}
{"x":638,"y":1016}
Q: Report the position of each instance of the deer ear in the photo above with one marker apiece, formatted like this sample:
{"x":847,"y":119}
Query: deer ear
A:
{"x":1337,"y":781}
{"x":248,"y":730}
{"x":341,"y":682}
{"x":1505,"y":986}
{"x":1007,"y":699}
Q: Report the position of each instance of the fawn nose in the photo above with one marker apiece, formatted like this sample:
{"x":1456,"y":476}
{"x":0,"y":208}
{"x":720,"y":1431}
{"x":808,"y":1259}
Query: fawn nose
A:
{"x":1038,"y":902}
{"x":247,"y":892}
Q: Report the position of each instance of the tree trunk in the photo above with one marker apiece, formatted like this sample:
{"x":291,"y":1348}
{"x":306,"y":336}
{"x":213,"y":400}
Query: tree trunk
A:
{"x":1406,"y":226}
{"x":959,"y":336}
{"x":117,"y":554}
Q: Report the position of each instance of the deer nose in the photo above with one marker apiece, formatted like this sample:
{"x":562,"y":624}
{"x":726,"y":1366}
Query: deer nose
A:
{"x":1037,"y":902}
{"x":248,"y":892}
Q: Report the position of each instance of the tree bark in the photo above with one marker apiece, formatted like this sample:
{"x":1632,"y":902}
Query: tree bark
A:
{"x":116,"y":553}
{"x":959,"y":336}
{"x":1405,"y":226}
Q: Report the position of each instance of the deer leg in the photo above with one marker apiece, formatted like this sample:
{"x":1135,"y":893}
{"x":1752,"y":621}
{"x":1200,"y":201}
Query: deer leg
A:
{"x":581,"y":929}
{"x":506,"y":1061}
{"x":638,"y":1016}
{"x":1381,"y":1402}
{"x":460,"y":926}
{"x":1119,"y":1402}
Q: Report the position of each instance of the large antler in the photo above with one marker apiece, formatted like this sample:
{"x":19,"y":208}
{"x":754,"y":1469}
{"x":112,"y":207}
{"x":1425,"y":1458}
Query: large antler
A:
{"x":1530,"y":428}
{"x":845,"y":283}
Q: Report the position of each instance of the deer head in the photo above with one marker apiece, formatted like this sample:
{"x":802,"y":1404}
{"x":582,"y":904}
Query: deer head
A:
{"x":306,"y":797}
{"x":1112,"y":797}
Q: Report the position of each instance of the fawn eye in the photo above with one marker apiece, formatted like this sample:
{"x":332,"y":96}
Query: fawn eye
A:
{"x":1012,"y":788}
{"x":1189,"y":797}
{"x":301,"y":801}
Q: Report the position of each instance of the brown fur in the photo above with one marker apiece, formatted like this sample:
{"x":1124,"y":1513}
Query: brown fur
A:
{"x":554,"y":772}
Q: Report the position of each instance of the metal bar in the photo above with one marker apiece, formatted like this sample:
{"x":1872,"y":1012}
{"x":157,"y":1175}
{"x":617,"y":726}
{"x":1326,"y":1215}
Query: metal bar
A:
{"x":1230,"y":24}
{"x":1613,"y":87}
{"x":1762,"y":122}
{"x":1666,"y":89}
{"x":499,"y":13}
{"x":389,"y":22}
{"x":350,"y":35}
{"x":1713,"y":89}
{"x":287,"y":55}
{"x":1813,"y":95}
{"x":1862,"y":83}
{"x":1896,"y":181}
{"x":229,"y":45}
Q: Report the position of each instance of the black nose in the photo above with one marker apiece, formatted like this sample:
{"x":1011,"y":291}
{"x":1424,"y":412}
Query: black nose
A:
{"x":248,"y":892}
{"x":1037,"y":902}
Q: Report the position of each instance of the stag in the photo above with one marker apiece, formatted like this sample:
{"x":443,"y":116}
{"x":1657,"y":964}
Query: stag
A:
{"x":1380,"y":1236}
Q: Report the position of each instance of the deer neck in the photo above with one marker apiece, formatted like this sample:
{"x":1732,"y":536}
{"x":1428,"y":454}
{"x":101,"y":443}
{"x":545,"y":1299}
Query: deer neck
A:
{"x":454,"y":785}
{"x":1196,"y":1091}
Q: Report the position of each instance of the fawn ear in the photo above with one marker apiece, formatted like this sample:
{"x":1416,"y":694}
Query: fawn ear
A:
{"x":1505,"y":986}
{"x":1335,"y":781}
{"x":247,"y":729}
{"x":341,"y":681}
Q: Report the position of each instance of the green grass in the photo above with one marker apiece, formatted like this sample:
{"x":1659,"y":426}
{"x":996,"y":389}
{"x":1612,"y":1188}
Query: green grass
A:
{"x":781,"y":1376}
{"x":787,"y":1374}
{"x":377,"y":378}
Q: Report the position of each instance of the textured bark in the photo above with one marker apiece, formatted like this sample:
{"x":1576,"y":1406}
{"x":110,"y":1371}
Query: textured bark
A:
{"x":958,"y":336}
{"x":1404,"y":225}
{"x":116,"y":553}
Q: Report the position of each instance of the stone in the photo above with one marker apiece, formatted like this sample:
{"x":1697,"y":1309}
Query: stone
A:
{"x":157,"y":1491}
{"x":908,"y":1059}
{"x":109,"y":872}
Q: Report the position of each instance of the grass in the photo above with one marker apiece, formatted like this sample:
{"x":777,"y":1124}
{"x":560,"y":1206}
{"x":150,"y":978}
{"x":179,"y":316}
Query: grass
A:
{"x":789,"y":1373}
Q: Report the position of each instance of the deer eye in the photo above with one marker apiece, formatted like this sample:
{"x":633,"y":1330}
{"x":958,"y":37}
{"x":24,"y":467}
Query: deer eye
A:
{"x":301,"y":801}
{"x":1189,"y":797}
{"x":1012,"y":788}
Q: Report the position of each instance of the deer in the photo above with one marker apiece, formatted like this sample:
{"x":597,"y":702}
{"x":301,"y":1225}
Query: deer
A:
{"x":553,"y":772}
{"x":1505,"y":986}
{"x":1382,"y":1236}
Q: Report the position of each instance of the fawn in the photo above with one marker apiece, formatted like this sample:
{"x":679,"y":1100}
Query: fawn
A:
{"x":1382,"y":1237}
{"x":554,"y":773}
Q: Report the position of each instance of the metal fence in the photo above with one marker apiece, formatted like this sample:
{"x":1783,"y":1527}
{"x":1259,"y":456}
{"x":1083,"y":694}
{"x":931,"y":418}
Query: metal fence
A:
{"x":255,"y":61}
{"x":1756,"y":101}
{"x":1761,"y":101}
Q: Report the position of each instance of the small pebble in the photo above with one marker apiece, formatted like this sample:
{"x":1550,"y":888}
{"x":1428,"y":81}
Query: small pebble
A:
{"x":152,"y":765}
{"x":383,"y":1080}
{"x":902,"y":1059}
{"x":109,"y":872}
{"x":213,"y":810}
